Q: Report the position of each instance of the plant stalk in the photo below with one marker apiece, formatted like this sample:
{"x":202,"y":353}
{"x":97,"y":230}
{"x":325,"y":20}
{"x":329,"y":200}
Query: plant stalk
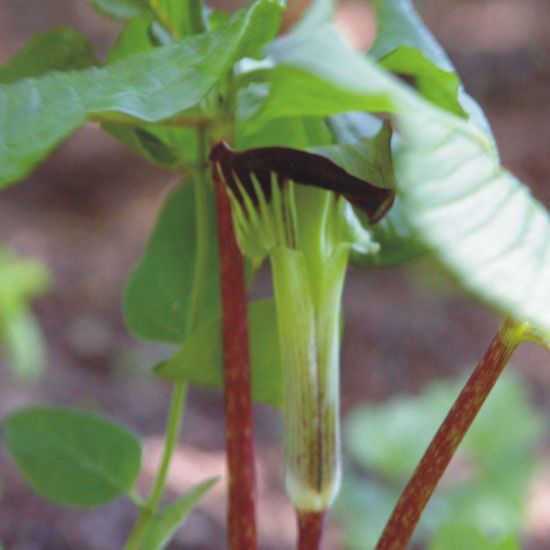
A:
{"x":179,"y":389}
{"x":443,"y":446}
{"x":310,"y":529}
{"x":148,"y":510}
{"x":241,"y":512}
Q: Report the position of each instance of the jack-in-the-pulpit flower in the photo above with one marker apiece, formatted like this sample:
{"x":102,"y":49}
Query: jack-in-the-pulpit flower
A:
{"x":307,"y":231}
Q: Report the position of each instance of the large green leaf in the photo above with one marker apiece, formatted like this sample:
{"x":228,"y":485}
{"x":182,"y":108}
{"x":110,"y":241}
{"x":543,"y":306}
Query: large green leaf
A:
{"x":199,"y":359}
{"x":121,"y":9}
{"x":304,"y":83}
{"x":159,"y":293}
{"x":480,"y":221}
{"x":406,"y":46}
{"x":38,"y":113}
{"x":62,"y":49}
{"x":167,"y":146}
{"x":297,"y":92}
{"x":166,"y":523}
{"x":70,"y":457}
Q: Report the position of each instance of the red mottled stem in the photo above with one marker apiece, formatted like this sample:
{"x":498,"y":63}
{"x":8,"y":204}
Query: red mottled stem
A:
{"x":422,"y":484}
{"x":310,"y":529}
{"x":241,"y":513}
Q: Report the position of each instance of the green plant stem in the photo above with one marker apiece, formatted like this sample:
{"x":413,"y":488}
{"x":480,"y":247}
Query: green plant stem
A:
{"x":179,"y":390}
{"x":177,"y":404}
{"x":135,"y":497}
{"x":442,"y":448}
{"x":149,"y":509}
{"x":202,"y":228}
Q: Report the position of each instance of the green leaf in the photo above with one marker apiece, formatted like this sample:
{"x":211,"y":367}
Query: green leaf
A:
{"x":199,"y":360}
{"x":165,"y":524}
{"x":367,"y":154}
{"x":181,"y":17}
{"x":120,"y":9}
{"x":62,"y":49}
{"x":295,"y":92}
{"x":72,"y":458}
{"x":304,"y":83}
{"x":297,"y":132}
{"x":481,"y":222}
{"x":168,"y":147}
{"x":37,"y":114}
{"x":159,"y":293}
{"x":406,"y":46}
{"x":458,"y":536}
{"x":320,"y":12}
{"x":134,"y":38}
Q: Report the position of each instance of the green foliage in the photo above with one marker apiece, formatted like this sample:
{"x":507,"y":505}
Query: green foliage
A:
{"x":59,"y":50}
{"x":306,"y":86}
{"x":172,"y":517}
{"x":162,"y":287}
{"x":370,"y":157}
{"x":168,"y":146}
{"x":199,"y":359}
{"x":480,"y":221}
{"x":72,"y":458}
{"x":447,"y":167}
{"x":135,"y":37}
{"x":39,"y":113}
{"x":181,"y":18}
{"x":405,"y":46}
{"x":21,"y":280}
{"x":457,"y":536}
{"x":493,"y":464}
{"x":121,"y":9}
{"x":163,"y":81}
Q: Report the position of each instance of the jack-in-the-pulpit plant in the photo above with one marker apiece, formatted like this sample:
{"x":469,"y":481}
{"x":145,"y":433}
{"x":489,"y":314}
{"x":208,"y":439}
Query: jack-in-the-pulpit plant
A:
{"x":307,"y":233}
{"x":337,"y":159}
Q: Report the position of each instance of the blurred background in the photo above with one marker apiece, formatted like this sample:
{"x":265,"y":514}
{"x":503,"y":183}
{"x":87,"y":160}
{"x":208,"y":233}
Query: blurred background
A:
{"x":410,"y":337}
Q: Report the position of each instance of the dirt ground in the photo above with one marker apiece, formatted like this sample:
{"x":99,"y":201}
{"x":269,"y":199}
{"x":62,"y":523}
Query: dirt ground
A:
{"x":87,"y":211}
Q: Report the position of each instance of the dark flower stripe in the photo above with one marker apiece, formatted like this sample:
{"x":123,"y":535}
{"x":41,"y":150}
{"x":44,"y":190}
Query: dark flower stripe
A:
{"x":303,"y":168}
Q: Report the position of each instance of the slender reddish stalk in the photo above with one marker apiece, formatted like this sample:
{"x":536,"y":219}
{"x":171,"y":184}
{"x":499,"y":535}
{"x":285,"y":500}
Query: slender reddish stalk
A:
{"x":310,"y":529}
{"x":423,"y":482}
{"x":241,"y":512}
